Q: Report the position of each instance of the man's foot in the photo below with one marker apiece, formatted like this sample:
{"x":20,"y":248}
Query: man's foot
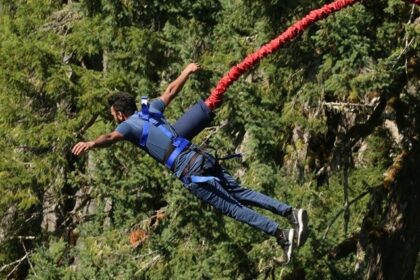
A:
{"x":285,"y":240}
{"x":298,"y":218}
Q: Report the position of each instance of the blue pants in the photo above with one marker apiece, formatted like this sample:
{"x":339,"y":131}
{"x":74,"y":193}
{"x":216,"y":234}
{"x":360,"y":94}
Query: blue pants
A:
{"x":226,"y":195}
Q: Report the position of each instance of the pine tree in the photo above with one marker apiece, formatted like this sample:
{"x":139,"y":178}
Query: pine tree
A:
{"x":319,"y":122}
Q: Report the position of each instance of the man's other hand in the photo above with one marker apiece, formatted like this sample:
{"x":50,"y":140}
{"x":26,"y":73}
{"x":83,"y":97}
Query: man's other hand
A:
{"x":192,"y":67}
{"x":82,"y":147}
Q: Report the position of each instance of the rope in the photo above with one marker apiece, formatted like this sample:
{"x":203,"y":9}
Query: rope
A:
{"x":215,"y":98}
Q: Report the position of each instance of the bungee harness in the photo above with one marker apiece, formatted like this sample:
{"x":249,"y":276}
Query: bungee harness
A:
{"x":177,"y":146}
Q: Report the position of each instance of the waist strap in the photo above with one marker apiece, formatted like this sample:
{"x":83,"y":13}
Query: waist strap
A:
{"x":198,"y":179}
{"x":180,"y":144}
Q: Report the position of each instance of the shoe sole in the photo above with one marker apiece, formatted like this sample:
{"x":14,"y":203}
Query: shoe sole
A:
{"x":303,"y":227}
{"x":290,"y":249}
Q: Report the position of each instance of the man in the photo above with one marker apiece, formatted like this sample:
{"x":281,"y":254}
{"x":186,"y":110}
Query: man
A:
{"x":199,"y":171}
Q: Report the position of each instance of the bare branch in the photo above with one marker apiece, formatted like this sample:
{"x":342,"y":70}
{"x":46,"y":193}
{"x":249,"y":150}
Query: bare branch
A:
{"x":18,"y":262}
{"x":149,"y":264}
{"x":360,"y":196}
{"x":346,"y":207}
{"x":20,"y":238}
{"x":213,"y":130}
{"x":345,"y":104}
{"x":29,"y":261}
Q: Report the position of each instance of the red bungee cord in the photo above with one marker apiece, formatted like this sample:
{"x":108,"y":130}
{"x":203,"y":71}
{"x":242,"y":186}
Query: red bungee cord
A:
{"x":215,"y":98}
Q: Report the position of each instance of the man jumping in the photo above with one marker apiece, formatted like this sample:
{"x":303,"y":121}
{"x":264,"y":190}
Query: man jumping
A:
{"x":199,"y":171}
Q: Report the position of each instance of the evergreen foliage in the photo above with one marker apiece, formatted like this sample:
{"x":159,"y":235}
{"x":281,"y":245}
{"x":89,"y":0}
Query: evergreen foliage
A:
{"x":295,"y":116}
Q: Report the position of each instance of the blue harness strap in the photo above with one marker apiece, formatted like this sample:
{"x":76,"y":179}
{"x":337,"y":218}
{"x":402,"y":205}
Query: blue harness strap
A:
{"x":180,"y":144}
{"x":156,"y":119}
{"x":199,"y":179}
{"x":145,"y":134}
{"x":144,"y":114}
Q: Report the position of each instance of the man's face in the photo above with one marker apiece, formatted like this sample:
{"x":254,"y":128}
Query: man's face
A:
{"x":118,"y":116}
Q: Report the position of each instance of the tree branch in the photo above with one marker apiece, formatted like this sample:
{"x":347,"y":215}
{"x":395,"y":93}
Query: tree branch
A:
{"x":19,"y":261}
{"x":360,"y":196}
{"x":213,"y":130}
{"x":29,"y":261}
{"x":346,"y":207}
{"x":87,"y":125}
{"x":362,"y":130}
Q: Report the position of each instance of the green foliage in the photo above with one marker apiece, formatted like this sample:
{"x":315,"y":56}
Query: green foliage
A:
{"x":59,"y":61}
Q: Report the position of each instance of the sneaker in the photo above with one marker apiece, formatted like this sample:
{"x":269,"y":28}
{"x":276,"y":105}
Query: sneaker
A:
{"x":298,"y":218}
{"x":285,"y":240}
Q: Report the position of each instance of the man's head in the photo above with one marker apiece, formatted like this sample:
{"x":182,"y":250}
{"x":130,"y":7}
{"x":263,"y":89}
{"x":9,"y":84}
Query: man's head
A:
{"x":123,"y":105}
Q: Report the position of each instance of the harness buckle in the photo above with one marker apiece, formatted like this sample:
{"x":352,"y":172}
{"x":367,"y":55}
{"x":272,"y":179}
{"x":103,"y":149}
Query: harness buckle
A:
{"x":144,"y":100}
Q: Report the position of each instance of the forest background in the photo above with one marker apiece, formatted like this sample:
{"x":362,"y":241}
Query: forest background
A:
{"x":330,"y":123}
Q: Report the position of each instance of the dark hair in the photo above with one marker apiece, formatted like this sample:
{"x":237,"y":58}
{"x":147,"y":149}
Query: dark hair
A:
{"x":123,"y":102}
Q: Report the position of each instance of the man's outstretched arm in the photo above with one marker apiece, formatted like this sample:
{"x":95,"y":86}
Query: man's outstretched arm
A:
{"x":102,"y":141}
{"x":175,"y":86}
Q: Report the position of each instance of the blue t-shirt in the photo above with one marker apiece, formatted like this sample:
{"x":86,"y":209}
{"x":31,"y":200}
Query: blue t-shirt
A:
{"x":157,"y":142}
{"x":132,"y":128}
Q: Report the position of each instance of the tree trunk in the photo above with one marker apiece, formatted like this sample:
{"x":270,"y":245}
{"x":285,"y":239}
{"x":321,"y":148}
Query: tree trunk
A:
{"x":390,"y":237}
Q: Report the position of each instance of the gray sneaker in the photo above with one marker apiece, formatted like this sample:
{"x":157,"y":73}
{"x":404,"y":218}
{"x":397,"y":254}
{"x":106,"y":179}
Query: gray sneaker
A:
{"x":298,"y":218}
{"x":285,"y":240}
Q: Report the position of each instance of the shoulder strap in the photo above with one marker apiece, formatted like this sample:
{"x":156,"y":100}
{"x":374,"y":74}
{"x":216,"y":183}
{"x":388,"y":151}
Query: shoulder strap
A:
{"x":144,"y":114}
{"x":156,"y":119}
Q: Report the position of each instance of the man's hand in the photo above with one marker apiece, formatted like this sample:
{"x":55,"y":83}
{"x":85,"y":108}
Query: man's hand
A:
{"x":192,"y":68}
{"x":102,"y":141}
{"x":175,"y":86}
{"x":82,"y":147}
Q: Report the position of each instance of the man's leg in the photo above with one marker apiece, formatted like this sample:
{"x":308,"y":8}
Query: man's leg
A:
{"x":253,"y":198}
{"x":214,"y":194}
{"x":298,"y":218}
